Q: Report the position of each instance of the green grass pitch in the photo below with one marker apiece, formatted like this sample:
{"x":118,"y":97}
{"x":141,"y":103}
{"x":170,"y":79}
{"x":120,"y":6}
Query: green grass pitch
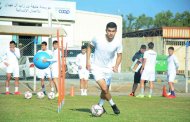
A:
{"x":77,"y":109}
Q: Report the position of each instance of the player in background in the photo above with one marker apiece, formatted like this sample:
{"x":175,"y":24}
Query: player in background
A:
{"x":137,"y":76}
{"x":54,"y":65}
{"x":11,"y":61}
{"x":82,"y":71}
{"x":148,"y":69}
{"x":106,"y":48}
{"x":173,"y":66}
{"x":42,"y":73}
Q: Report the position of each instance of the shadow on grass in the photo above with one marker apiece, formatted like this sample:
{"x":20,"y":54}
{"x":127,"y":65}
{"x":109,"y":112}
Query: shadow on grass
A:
{"x":87,"y":110}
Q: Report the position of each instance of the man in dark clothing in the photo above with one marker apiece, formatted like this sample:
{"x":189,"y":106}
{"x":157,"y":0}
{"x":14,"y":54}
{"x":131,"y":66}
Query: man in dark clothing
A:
{"x":137,"y":77}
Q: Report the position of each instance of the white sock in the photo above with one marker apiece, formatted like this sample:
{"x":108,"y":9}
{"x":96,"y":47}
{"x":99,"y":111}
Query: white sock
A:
{"x":52,"y":89}
{"x":101,"y":102}
{"x":16,"y":89}
{"x":111,"y":102}
{"x":7,"y":89}
{"x":85,"y":91}
{"x":82,"y":91}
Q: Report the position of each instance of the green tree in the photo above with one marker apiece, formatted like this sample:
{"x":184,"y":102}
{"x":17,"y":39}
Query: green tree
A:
{"x":143,"y":22}
{"x":164,"y":18}
{"x":130,"y":19}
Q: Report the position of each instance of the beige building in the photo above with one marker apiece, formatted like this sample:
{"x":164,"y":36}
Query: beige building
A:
{"x":163,"y":38}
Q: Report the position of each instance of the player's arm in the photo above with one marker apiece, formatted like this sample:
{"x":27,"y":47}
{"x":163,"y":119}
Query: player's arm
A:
{"x":88,"y":56}
{"x":143,"y":64}
{"x":118,"y":62}
{"x":135,"y":57}
{"x":176,"y":62}
{"x":17,"y":53}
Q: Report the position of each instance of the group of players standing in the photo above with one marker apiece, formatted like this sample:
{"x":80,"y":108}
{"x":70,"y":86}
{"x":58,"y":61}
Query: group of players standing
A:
{"x":102,"y":65}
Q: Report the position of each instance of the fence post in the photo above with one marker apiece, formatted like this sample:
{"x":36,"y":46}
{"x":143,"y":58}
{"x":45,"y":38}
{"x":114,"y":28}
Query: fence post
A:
{"x":186,"y":66}
{"x":35,"y":43}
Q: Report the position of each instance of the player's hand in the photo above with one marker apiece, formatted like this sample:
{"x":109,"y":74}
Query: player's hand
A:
{"x":88,"y":67}
{"x":80,"y":67}
{"x":12,"y":49}
{"x":115,"y":69}
{"x":141,"y":60}
{"x":6,"y":64}
{"x":44,"y":60}
{"x":141,"y":71}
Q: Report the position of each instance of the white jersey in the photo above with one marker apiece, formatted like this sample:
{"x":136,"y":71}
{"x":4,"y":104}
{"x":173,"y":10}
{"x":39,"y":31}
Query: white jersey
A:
{"x":81,"y":60}
{"x":12,"y":57}
{"x":105,"y":51}
{"x":48,"y":52}
{"x":173,"y":64}
{"x":150,"y":57}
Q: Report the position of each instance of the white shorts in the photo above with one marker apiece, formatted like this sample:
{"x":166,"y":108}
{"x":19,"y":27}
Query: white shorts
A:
{"x":171,"y":77}
{"x":148,"y":75}
{"x":13,"y":69}
{"x":55,"y":70}
{"x":83,"y":74}
{"x":42,"y":73}
{"x":100,"y":73}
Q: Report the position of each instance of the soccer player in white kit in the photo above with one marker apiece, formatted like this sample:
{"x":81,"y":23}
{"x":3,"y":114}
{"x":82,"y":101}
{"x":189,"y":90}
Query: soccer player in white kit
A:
{"x":148,"y":69}
{"x":54,"y":65}
{"x":11,"y":61}
{"x":82,"y":71}
{"x":106,"y":47}
{"x":42,"y":73}
{"x":173,"y":66}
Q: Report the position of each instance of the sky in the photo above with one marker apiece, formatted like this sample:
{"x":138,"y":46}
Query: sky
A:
{"x":135,"y":7}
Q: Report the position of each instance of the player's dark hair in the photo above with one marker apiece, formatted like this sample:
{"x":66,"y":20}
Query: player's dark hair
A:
{"x":55,"y":42}
{"x":171,"y":48}
{"x":45,"y":43}
{"x":111,"y":25}
{"x":151,"y":45}
{"x":143,"y":46}
{"x":83,"y":47}
{"x":13,"y":42}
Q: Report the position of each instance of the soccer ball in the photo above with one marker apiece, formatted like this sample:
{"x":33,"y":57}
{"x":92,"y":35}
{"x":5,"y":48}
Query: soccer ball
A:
{"x":97,"y":110}
{"x":28,"y":95}
{"x":51,"y":95}
{"x":40,"y":95}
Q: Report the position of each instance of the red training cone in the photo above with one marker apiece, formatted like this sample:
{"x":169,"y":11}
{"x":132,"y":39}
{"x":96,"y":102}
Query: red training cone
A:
{"x":164,"y":93}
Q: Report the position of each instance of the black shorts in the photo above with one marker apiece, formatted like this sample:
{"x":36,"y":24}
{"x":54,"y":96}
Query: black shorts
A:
{"x":137,"y":77}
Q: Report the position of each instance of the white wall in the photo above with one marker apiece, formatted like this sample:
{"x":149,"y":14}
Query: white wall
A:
{"x":90,"y":24}
{"x":4,"y":39}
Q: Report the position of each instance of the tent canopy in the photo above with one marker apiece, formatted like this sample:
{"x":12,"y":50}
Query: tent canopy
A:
{"x":30,"y":30}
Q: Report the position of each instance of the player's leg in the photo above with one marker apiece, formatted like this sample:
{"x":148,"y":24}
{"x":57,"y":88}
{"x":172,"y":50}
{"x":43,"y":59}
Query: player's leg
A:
{"x":48,"y":74}
{"x":151,"y":88}
{"x":55,"y":75}
{"x":85,"y":86}
{"x":171,"y":85}
{"x":86,"y":76}
{"x":137,"y":78}
{"x":16,"y":76}
{"x":43,"y":85}
{"x":8,"y":78}
{"x":106,"y":94}
{"x":141,"y":95}
{"x":82,"y":86}
{"x":7,"y":83}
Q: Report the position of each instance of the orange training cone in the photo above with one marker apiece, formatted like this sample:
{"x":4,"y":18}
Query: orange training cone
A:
{"x":164,"y":93}
{"x":72,"y":91}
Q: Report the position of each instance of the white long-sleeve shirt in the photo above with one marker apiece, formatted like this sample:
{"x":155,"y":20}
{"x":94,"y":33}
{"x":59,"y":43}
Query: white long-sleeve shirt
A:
{"x":81,"y":60}
{"x":12,"y":57}
{"x":173,"y":64}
